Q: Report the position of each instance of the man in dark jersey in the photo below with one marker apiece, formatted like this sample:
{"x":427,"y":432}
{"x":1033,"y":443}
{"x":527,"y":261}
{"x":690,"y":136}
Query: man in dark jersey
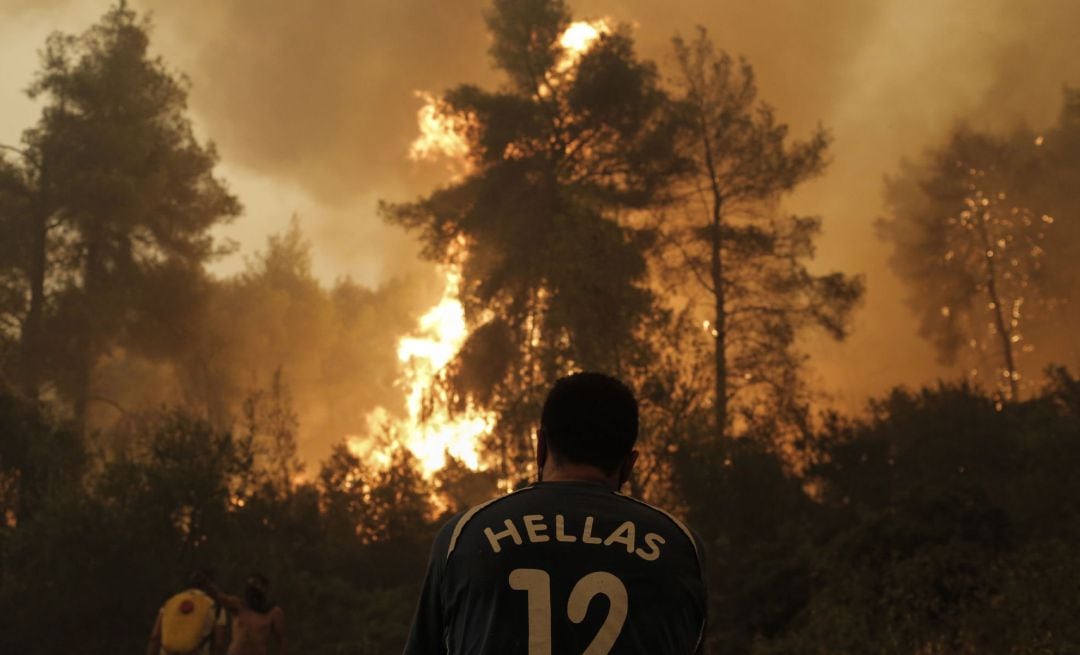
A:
{"x":568,"y":565}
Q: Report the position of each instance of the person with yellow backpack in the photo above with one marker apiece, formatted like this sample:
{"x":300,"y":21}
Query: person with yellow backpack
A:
{"x":191,"y":622}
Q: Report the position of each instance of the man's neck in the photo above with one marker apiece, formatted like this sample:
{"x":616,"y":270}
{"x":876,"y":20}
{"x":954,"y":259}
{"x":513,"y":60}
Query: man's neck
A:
{"x":579,"y":473}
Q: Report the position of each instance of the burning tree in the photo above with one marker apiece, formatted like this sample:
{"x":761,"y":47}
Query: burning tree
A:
{"x":727,"y":241}
{"x":972,"y":250}
{"x":551,"y":278}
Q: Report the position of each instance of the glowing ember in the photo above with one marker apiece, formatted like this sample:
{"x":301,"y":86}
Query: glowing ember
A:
{"x":1000,"y":243}
{"x":441,"y":332}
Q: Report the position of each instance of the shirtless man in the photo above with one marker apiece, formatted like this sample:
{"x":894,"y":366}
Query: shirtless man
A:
{"x":255,"y":619}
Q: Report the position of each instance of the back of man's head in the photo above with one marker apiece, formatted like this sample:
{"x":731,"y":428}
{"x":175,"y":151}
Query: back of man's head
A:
{"x":592,"y":419}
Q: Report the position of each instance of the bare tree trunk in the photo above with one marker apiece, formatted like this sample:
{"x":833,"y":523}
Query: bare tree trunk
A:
{"x":82,"y":390}
{"x":720,"y":403}
{"x":719,"y":323}
{"x":30,"y":330}
{"x":87,"y":352}
{"x":1004,"y":329}
{"x":32,"y":327}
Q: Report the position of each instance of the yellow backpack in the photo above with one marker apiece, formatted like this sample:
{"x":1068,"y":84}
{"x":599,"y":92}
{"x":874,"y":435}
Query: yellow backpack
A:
{"x":187,"y":621}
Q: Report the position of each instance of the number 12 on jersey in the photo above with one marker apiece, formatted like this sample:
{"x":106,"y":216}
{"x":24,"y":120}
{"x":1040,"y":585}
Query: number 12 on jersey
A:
{"x":537,"y":584}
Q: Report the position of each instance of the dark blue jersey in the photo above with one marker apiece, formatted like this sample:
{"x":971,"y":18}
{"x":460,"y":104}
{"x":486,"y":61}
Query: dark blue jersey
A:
{"x":562,"y":568}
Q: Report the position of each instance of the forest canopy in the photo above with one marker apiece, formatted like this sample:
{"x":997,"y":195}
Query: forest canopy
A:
{"x":607,"y":212}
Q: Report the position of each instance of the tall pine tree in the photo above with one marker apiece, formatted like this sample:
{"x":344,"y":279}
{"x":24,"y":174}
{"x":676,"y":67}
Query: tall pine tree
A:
{"x":553,"y":280}
{"x":119,"y":200}
{"x":732,"y":250}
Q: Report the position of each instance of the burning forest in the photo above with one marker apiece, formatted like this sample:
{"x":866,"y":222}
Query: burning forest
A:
{"x":285,"y":291}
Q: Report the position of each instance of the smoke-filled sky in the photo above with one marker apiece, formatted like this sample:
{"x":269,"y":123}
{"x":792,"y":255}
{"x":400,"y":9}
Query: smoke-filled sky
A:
{"x":313,"y":104}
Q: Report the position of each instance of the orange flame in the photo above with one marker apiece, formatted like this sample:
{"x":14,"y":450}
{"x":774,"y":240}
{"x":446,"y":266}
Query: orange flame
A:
{"x":442,"y":133}
{"x":577,"y":38}
{"x":443,"y":329}
{"x":424,"y":354}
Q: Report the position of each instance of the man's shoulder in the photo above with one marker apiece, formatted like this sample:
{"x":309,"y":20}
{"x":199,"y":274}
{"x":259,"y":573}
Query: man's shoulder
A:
{"x":451,"y":530}
{"x":664,"y":515}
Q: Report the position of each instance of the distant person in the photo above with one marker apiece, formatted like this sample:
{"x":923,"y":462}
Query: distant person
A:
{"x":191,"y":622}
{"x":256,"y":621}
{"x":568,"y":565}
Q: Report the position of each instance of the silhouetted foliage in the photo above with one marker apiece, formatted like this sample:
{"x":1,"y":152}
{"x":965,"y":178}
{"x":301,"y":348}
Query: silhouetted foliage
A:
{"x":552,"y":279}
{"x":950,"y":519}
{"x":728,"y":244}
{"x":106,"y":547}
{"x":460,"y":487}
{"x":329,"y":348}
{"x":37,"y":458}
{"x":118,"y":198}
{"x":937,"y":521}
{"x":977,"y":239}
